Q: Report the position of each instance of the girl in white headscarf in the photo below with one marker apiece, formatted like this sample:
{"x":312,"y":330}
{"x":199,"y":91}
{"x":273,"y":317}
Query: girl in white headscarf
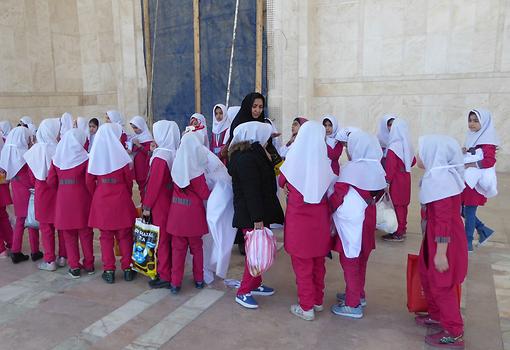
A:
{"x":5,"y":200}
{"x":306,"y":175}
{"x":93,"y":126}
{"x":220,"y":129}
{"x":443,"y":254}
{"x":255,"y":202}
{"x":110,"y":179}
{"x":68,"y":177}
{"x":186,"y":219}
{"x":158,"y":195}
{"x":398,"y":163}
{"x":140,"y":152}
{"x":115,"y":117}
{"x":360,"y":183}
{"x":5,"y":128}
{"x":482,"y":142}
{"x":66,"y":122}
{"x":27,"y":122}
{"x":199,"y":124}
{"x":17,"y":171}
{"x":383,"y":131}
{"x":335,"y":148}
{"x":39,"y":158}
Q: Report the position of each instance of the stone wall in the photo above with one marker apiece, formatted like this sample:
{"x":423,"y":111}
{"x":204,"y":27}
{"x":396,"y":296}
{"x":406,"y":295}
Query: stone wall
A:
{"x":430,"y":61}
{"x":81,"y":56}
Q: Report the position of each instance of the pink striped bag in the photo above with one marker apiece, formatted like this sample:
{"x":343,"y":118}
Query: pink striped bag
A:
{"x":260,"y":250}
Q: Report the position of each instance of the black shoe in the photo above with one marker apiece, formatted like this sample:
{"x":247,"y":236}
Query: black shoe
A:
{"x":159,"y":283}
{"x":36,"y":256}
{"x":108,"y":276}
{"x":175,"y":290}
{"x":129,"y":274}
{"x":74,"y":273}
{"x":18,"y":257}
{"x":242,"y":251}
{"x":199,"y":285}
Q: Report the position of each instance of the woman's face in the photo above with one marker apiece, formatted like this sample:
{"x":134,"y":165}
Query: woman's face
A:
{"x":107,"y":118}
{"x":329,"y":126}
{"x":218,"y":114}
{"x":295,"y":127}
{"x":257,"y":108}
{"x":390,"y":123}
{"x":136,"y":129}
{"x":473,"y":122}
{"x":92,"y":128}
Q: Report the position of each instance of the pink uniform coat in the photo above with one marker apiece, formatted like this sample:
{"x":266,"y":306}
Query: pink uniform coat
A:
{"x":217,"y":144}
{"x":5,"y":195}
{"x":112,"y":207}
{"x":470,"y":196}
{"x":21,"y":184}
{"x":44,"y":203}
{"x":398,"y":178}
{"x":141,"y":164}
{"x":187,"y":212}
{"x":307,"y":226}
{"x":72,"y":196}
{"x":334,"y":154}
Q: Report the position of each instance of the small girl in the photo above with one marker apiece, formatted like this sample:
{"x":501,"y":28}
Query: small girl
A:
{"x":360,"y":183}
{"x":186,"y":219}
{"x":93,"y":126}
{"x":140,"y":152}
{"x":296,"y":124}
{"x":17,"y":171}
{"x":115,"y":117}
{"x":443,"y":253}
{"x":383,"y":132}
{"x":5,"y":200}
{"x":158,"y":196}
{"x":335,"y":148}
{"x":38,"y":158}
{"x":67,"y":176}
{"x":398,"y":163}
{"x":307,"y":221}
{"x":199,"y":123}
{"x":5,"y":128}
{"x":110,"y":181}
{"x":220,"y":130}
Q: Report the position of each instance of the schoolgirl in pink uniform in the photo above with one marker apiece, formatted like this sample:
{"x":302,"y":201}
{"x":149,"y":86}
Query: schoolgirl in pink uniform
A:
{"x":187,"y":222}
{"x":115,"y":117}
{"x":199,"y":122}
{"x":335,"y":148}
{"x":443,"y":253}
{"x":307,"y":221}
{"x":140,"y":151}
{"x":5,"y":200}
{"x":158,"y":196}
{"x":18,"y":172}
{"x":38,"y":158}
{"x":220,"y":130}
{"x":110,"y":181}
{"x":67,"y":176}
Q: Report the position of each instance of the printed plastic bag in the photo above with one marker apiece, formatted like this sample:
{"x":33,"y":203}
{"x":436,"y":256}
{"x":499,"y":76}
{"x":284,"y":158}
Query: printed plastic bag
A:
{"x":30,"y":221}
{"x":386,"y":216}
{"x":260,"y":250}
{"x":145,"y":243}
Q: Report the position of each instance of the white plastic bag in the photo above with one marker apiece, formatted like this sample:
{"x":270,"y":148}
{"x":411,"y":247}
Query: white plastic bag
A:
{"x":260,"y":250}
{"x":30,"y":221}
{"x":386,"y":216}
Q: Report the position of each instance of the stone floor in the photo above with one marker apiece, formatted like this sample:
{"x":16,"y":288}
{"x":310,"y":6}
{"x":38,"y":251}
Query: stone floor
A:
{"x":44,"y":310}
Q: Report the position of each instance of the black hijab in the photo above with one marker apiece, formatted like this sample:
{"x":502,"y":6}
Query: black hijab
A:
{"x":244,"y":114}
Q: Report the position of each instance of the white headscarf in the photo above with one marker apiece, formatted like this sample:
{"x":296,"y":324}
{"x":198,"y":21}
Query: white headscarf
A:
{"x":307,"y":166}
{"x":82,"y":123}
{"x":5,"y":128}
{"x":364,"y":170}
{"x":190,"y":161}
{"x":16,"y":144}
{"x":487,"y":134}
{"x":145,"y":135}
{"x":330,"y":139}
{"x":343,"y":134}
{"x":66,"y":123}
{"x":39,"y":156}
{"x":252,"y":132}
{"x":383,"y":134}
{"x":116,"y":117}
{"x":203,"y":121}
{"x":70,"y":152}
{"x":26,"y":120}
{"x":232,"y":112}
{"x":220,"y":126}
{"x":400,"y":143}
{"x":167,"y":137}
{"x":107,"y":154}
{"x":444,"y":168}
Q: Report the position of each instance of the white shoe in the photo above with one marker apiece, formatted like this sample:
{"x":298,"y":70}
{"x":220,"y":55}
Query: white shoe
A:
{"x":61,"y":261}
{"x":318,"y":308}
{"x":47,"y":266}
{"x":299,"y":312}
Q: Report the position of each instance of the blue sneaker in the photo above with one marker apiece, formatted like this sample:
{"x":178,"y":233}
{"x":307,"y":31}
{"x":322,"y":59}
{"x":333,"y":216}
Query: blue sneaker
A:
{"x":263,"y":290}
{"x":484,"y":234}
{"x":340,"y":297}
{"x":347,"y":311}
{"x":247,"y":301}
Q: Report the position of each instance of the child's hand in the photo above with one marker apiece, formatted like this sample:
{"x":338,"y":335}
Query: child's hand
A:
{"x":136,"y":142}
{"x":470,"y":165}
{"x":286,"y":190}
{"x":441,"y":262}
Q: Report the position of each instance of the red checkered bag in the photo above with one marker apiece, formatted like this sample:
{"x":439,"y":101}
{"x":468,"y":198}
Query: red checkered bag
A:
{"x":260,"y":250}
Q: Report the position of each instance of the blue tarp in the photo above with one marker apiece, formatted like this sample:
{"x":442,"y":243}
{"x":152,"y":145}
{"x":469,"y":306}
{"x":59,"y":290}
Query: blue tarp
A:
{"x":173,"y":55}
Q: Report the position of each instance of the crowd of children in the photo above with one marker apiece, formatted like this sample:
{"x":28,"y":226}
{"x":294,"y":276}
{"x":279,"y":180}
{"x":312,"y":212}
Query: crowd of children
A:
{"x":81,"y":175}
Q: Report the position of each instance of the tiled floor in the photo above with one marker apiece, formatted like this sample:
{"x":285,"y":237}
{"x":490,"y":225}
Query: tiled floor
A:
{"x":44,"y":310}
